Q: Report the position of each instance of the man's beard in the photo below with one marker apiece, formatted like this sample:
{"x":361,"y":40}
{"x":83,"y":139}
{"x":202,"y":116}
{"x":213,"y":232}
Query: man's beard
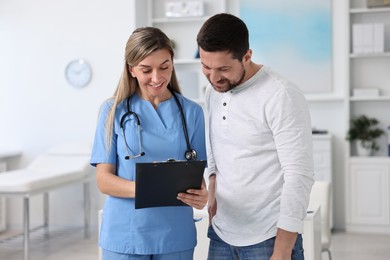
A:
{"x":231,"y":85}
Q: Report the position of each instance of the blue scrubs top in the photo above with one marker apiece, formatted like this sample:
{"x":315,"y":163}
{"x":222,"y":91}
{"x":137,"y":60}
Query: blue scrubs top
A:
{"x":150,"y":230}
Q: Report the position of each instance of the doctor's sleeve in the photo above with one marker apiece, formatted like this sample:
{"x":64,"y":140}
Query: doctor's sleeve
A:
{"x":100,"y":153}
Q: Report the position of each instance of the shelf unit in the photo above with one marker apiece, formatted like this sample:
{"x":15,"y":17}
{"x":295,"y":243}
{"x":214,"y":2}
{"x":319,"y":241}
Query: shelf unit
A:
{"x":183,"y":31}
{"x":370,"y":70}
{"x":368,"y":178}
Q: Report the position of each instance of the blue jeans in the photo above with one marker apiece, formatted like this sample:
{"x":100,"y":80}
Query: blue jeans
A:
{"x":219,"y":250}
{"x":181,"y":255}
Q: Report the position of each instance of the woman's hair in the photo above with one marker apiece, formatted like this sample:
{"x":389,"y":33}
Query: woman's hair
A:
{"x":224,"y":32}
{"x":141,"y":43}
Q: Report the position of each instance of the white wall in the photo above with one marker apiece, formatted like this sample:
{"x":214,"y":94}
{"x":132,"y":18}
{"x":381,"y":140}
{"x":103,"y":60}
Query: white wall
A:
{"x":332,"y":115}
{"x":38,"y":109}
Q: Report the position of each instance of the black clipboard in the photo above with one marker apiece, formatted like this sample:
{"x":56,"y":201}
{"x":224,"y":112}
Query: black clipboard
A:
{"x":158,"y":183}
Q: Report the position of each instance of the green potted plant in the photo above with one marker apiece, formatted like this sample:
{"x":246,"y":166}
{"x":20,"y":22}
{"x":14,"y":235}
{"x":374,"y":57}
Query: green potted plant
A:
{"x":364,"y":132}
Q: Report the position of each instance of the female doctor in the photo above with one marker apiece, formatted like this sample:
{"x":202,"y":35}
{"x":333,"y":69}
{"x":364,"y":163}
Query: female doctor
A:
{"x":143,"y":122}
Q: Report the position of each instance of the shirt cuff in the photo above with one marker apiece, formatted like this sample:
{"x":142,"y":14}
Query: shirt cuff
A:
{"x":290,"y":224}
{"x":210,"y":173}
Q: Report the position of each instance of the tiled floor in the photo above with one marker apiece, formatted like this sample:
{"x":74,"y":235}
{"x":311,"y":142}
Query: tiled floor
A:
{"x":68,"y":244}
{"x":359,"y":247}
{"x":71,"y":245}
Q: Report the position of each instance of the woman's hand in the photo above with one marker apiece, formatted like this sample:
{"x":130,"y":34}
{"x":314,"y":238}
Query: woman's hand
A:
{"x":195,"y":198}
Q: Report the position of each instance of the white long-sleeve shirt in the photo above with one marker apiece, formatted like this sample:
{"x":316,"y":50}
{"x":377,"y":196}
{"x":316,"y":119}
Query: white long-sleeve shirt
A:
{"x":260,"y":148}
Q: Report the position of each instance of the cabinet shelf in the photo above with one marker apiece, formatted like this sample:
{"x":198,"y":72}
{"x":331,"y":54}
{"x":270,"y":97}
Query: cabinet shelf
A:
{"x":369,"y":55}
{"x":369,"y":159}
{"x":179,"y":20}
{"x":369,"y":10}
{"x":380,"y":98}
{"x":323,"y":97}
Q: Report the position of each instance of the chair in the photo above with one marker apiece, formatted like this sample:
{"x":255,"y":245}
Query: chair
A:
{"x":321,"y":194}
{"x":201,"y":218}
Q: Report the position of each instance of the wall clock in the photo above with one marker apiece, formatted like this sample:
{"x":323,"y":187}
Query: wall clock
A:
{"x":78,"y":73}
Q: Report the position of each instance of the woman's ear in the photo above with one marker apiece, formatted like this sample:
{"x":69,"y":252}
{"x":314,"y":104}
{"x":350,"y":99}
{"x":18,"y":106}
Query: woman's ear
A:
{"x":131,"y":70}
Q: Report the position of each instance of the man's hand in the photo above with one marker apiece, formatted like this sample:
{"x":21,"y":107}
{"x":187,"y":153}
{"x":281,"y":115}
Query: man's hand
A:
{"x":195,"y":198}
{"x":212,"y":201}
{"x":284,"y":244}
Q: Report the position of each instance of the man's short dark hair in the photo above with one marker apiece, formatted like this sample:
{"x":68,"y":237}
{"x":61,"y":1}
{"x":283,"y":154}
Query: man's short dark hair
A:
{"x":224,"y":32}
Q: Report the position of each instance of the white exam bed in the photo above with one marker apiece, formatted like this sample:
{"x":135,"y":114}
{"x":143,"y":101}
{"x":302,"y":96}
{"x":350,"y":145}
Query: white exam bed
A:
{"x":62,"y":166}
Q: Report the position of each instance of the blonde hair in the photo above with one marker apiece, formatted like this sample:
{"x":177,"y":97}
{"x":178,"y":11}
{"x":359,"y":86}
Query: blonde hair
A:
{"x":141,"y":43}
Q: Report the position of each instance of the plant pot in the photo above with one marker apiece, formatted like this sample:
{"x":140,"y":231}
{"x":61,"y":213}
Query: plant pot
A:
{"x":364,"y":148}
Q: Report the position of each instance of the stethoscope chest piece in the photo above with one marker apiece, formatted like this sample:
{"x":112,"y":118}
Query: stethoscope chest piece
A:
{"x":190,"y":155}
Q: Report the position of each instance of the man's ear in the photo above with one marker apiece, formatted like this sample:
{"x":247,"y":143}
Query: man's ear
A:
{"x":248,"y":56}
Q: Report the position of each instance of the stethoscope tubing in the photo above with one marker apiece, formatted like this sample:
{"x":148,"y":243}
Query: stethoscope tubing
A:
{"x":190,"y":154}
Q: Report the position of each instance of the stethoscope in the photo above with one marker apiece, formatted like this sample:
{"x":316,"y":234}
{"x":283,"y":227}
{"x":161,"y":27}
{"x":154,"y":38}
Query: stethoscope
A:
{"x":190,"y":154}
